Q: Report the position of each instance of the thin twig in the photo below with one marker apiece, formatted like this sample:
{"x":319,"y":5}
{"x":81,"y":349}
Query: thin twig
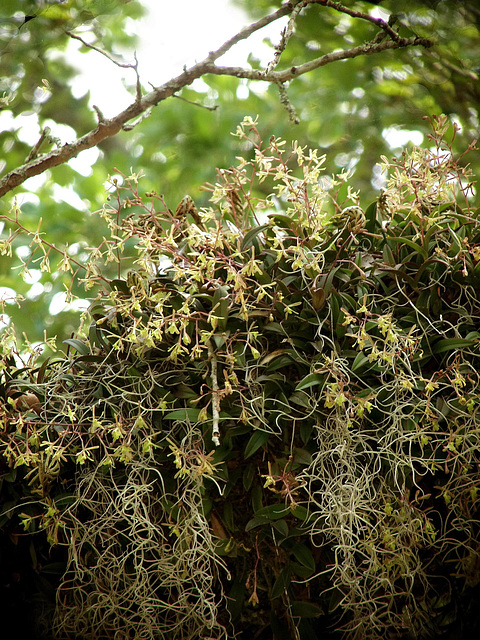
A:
{"x":369,"y":48}
{"x":359,"y":14}
{"x":131,"y":125}
{"x":246,"y":32}
{"x":196,"y":104}
{"x":124,"y":65}
{"x":138,"y":86}
{"x":285,"y":100}
{"x":98,"y":111}
{"x":34,"y":152}
{"x":285,"y":37}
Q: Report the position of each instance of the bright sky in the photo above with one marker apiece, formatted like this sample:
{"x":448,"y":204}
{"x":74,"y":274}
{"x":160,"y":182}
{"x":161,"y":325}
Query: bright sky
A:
{"x":171,"y":35}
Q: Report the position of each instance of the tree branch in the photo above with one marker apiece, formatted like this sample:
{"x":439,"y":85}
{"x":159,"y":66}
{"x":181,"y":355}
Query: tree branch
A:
{"x":124,"y":65}
{"x":369,"y":48}
{"x":246,"y":32}
{"x":107,"y":128}
{"x":285,"y":36}
{"x":359,"y":14}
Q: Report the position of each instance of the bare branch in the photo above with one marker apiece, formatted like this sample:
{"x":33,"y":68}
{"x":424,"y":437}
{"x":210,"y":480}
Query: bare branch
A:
{"x":246,"y":32}
{"x":215,"y":396}
{"x":369,"y":48}
{"x":359,"y":14}
{"x":131,"y":125}
{"x":124,"y":65}
{"x":138,"y":86}
{"x":285,"y":100}
{"x":196,"y":104}
{"x":34,"y":152}
{"x":285,"y":36}
{"x":98,"y":111}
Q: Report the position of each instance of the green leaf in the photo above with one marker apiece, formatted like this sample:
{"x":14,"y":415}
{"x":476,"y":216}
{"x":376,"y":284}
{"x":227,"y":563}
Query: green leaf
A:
{"x":42,"y":370}
{"x":267,"y":515}
{"x":189,"y":414}
{"x":282,"y":583}
{"x":371,"y":217}
{"x":300,"y":570}
{"x":220,"y":305}
{"x":388,"y":256}
{"x":119,"y":285}
{"x":248,"y":476}
{"x":360,"y":360}
{"x":300,"y":512}
{"x":255,"y":522}
{"x":312,"y":380}
{"x":452,"y":344}
{"x":228,"y":515}
{"x":301,"y":398}
{"x":305,"y":610}
{"x":251,"y":235}
{"x":303,"y":554}
{"x":472,"y":335}
{"x":236,"y":596}
{"x":272,"y":512}
{"x":336,"y":599}
{"x":306,"y":429}
{"x":80,"y":346}
{"x":184,"y":391}
{"x":257,"y":498}
{"x":302,"y":456}
{"x":275,"y":327}
{"x":282,"y":527}
{"x":257,"y":440}
{"x":412,"y":244}
{"x":53,"y":568}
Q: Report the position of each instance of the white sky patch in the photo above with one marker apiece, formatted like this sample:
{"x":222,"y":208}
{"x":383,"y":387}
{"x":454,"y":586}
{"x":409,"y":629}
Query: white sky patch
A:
{"x":7,"y":295}
{"x":63,"y":132}
{"x":29,"y":128}
{"x":23,"y":251}
{"x":169,"y":39}
{"x":379,"y":12}
{"x":35,"y":291}
{"x":33,"y":276}
{"x":83,"y":163}
{"x":101,"y":77}
{"x":397,"y":138}
{"x":27,"y":125}
{"x":59,"y":304}
{"x":64,"y":194}
{"x":25,"y":197}
{"x":6,"y":120}
{"x":207,"y":27}
{"x":35,"y":183}
{"x":109,"y":184}
{"x":379,"y":178}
